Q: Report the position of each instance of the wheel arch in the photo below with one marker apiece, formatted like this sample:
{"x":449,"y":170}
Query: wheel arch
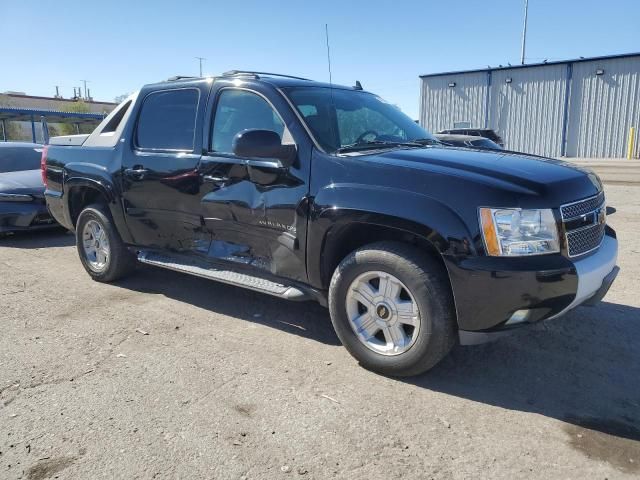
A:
{"x":82,"y":192}
{"x":350,"y":231}
{"x":350,"y":213}
{"x":344,"y":238}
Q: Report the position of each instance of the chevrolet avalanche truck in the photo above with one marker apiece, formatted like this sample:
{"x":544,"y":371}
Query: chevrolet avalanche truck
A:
{"x":305,"y":190}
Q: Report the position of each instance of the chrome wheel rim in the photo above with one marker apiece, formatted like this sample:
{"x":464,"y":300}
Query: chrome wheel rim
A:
{"x":95,"y":244}
{"x":383,"y":313}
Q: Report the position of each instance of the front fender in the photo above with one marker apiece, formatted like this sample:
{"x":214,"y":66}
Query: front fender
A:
{"x":341,"y":204}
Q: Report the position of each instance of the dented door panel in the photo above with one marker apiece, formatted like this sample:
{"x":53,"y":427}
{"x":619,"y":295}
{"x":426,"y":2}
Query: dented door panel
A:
{"x":258,"y":215}
{"x":252,"y":217}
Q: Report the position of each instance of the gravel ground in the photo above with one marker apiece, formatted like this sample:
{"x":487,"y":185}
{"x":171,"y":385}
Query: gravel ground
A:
{"x":169,"y":376}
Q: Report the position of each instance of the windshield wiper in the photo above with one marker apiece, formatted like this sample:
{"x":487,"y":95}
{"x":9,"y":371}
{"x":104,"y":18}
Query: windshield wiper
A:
{"x":427,"y":141}
{"x":354,"y":147}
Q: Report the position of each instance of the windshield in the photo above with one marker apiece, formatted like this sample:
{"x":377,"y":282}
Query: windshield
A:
{"x":350,"y":119}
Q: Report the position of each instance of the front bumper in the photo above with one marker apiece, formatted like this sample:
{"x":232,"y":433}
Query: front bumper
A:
{"x":493,"y":295}
{"x":18,"y":216}
{"x":595,"y":273}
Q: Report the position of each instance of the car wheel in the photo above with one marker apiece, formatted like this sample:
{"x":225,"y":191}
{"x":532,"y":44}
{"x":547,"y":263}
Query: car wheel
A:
{"x":392,"y":308}
{"x":102,"y":253}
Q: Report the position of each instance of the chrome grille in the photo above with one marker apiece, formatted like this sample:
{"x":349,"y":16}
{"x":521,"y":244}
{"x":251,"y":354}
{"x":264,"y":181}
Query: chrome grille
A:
{"x":585,"y":238}
{"x":576,"y":209}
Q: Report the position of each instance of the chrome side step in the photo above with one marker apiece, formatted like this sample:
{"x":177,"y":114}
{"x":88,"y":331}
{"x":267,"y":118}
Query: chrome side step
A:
{"x":203,"y":269}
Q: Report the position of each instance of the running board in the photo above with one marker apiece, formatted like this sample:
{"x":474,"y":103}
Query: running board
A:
{"x":204,"y":269}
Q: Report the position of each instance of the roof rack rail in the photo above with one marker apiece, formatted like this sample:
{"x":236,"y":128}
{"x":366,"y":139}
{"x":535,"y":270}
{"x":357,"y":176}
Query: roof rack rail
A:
{"x":238,"y":73}
{"x":176,"y":78}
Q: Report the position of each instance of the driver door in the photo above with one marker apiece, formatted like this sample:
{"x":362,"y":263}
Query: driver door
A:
{"x":256,"y":213}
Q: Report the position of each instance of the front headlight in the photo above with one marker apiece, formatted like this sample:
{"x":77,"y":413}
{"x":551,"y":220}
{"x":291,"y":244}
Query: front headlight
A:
{"x":514,"y":232}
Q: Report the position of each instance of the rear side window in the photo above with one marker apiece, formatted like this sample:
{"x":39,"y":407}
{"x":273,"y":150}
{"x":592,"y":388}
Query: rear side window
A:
{"x":167,"y":120}
{"x":18,"y":158}
{"x":116,"y":119}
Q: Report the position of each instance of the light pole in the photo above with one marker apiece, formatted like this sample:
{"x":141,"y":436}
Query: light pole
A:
{"x":200,"y":59}
{"x":524,"y":31}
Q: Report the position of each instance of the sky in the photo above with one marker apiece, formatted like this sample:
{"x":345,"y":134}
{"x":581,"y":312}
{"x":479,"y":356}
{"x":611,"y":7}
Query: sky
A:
{"x":121,"y":45}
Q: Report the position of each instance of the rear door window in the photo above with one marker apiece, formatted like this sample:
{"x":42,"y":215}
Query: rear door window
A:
{"x":167,"y":120}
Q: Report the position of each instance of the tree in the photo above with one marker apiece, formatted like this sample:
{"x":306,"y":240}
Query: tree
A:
{"x":69,"y":128}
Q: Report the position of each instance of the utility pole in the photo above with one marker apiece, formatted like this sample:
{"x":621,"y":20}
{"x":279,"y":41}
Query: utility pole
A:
{"x":85,"y":87}
{"x":524,"y":31}
{"x":200,"y":59}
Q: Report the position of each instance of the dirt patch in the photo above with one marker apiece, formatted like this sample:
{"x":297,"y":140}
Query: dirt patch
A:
{"x":245,"y":409}
{"x":611,"y":441}
{"x":48,"y":468}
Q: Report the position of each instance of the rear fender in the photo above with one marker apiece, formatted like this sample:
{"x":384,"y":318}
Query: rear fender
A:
{"x":102,"y":183}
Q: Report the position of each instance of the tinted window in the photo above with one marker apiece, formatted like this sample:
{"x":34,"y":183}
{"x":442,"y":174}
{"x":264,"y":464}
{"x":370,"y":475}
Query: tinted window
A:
{"x":167,"y":120}
{"x":17,"y":158}
{"x":239,"y":110}
{"x":485,"y":143}
{"x":116,"y":119}
{"x":491,"y":135}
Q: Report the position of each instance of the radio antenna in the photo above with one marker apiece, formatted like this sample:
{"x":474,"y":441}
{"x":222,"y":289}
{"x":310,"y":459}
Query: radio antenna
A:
{"x":333,"y":103}
{"x":326,"y":33}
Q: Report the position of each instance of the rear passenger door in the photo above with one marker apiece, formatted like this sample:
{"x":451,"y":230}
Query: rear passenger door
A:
{"x":161,"y":187}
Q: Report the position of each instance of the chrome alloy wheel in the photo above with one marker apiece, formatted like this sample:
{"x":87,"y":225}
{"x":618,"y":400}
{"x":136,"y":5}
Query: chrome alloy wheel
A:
{"x":95,"y":245}
{"x":383,"y":313}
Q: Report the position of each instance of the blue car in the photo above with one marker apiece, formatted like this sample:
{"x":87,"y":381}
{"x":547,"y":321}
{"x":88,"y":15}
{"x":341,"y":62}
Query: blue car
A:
{"x":22,"y":204}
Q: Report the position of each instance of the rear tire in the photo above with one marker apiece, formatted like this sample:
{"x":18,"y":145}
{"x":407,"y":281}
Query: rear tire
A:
{"x":102,"y":252}
{"x":391,"y":306}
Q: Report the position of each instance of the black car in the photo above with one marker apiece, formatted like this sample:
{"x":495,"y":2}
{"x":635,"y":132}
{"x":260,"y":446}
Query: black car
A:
{"x":476,"y":132}
{"x":312,"y":191}
{"x":22,"y":203}
{"x":467,"y":141}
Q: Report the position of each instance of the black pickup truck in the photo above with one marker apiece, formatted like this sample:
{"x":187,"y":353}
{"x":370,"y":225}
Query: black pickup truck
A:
{"x":305,"y":190}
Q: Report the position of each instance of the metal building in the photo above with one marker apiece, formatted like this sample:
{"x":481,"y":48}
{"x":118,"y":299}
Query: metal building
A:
{"x":588,"y":107}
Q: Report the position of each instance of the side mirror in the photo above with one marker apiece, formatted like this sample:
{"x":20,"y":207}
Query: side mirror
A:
{"x":263,"y":144}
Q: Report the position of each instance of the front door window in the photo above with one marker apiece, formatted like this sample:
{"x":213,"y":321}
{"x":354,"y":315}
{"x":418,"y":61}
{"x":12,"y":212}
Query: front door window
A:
{"x":239,"y":110}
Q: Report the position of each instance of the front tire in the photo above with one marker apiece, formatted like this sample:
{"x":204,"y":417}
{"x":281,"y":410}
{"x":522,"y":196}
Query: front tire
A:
{"x":392,"y":308}
{"x":102,"y":252}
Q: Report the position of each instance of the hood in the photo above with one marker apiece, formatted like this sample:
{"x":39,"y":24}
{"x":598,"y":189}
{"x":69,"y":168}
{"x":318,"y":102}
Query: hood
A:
{"x":26,"y":182}
{"x":522,"y":173}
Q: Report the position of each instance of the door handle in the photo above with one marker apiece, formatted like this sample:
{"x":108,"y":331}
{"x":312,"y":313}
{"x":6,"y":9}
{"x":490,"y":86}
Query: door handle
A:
{"x":137,"y":172}
{"x":214,"y":179}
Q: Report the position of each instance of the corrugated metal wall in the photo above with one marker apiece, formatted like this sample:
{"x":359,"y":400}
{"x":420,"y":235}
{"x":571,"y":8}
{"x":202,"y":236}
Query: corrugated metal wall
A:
{"x":603,"y":107}
{"x":528,"y":112}
{"x":442,"y":106}
{"x":543,"y":105}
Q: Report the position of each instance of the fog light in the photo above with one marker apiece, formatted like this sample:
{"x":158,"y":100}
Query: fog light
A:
{"x":518,"y":317}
